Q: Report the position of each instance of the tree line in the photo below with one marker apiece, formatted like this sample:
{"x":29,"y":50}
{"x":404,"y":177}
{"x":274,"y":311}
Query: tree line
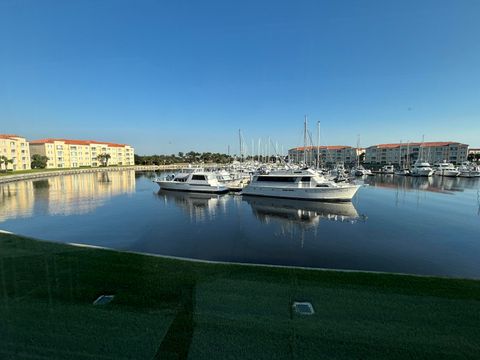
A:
{"x":473,"y":157}
{"x":181,"y":157}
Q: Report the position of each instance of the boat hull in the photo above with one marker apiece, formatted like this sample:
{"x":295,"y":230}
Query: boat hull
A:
{"x":425,"y":173}
{"x":447,"y":173}
{"x":469,"y":174}
{"x":343,"y":193}
{"x":179,"y":186}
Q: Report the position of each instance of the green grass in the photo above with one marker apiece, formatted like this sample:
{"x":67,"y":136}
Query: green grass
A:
{"x":171,"y":309}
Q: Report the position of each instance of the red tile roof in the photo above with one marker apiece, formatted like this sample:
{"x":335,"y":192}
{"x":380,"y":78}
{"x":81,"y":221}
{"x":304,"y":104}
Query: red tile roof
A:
{"x":76,"y":142}
{"x":328,"y":147}
{"x":8,"y":136}
{"x":425,"y":144}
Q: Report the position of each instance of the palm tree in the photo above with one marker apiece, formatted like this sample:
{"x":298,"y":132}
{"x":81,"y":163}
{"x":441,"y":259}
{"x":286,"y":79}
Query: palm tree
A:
{"x":103,"y":158}
{"x":6,"y":161}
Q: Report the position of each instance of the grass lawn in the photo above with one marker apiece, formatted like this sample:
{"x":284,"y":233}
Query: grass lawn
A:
{"x":171,"y":309}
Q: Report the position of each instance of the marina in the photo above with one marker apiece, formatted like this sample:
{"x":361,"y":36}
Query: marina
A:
{"x":239,"y":180}
{"x":391,"y":225}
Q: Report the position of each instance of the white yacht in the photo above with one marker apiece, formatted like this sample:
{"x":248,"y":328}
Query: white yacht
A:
{"x":387,"y":170}
{"x":467,"y":169}
{"x":403,"y":172}
{"x":445,"y":169}
{"x":421,"y":168}
{"x":233,"y":181}
{"x":361,"y":171}
{"x":223,"y":176}
{"x":299,"y":184}
{"x":339,"y":170}
{"x":191,"y":179}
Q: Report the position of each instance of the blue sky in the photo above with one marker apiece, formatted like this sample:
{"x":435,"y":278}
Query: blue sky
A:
{"x":169,"y":76}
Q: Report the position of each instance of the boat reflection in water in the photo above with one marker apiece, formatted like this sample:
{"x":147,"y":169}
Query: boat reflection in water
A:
{"x":301,"y":211}
{"x":198,"y":206}
{"x":296,"y":217}
{"x":438,"y":184}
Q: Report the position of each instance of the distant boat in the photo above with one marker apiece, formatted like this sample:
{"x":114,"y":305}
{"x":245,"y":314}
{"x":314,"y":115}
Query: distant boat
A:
{"x":192,"y":179}
{"x":421,"y":168}
{"x":299,"y":184}
{"x":403,"y":172}
{"x":469,"y":170}
{"x":361,"y":171}
{"x":445,"y":169}
{"x":386,"y":170}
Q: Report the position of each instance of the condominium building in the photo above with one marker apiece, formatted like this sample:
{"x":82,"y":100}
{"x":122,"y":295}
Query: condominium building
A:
{"x":331,"y":154}
{"x":66,"y":153}
{"x":407,"y":153}
{"x":15,"y":149}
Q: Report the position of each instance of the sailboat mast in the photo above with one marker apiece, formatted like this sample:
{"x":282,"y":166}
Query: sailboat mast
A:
{"x":408,"y":155}
{"x":421,"y":148}
{"x":305,"y":140}
{"x":259,"y":150}
{"x":268,"y":149}
{"x":240,"y":141}
{"x":318,"y":144}
{"x":400,"y":155}
{"x":358,"y":150}
{"x":253,"y":150}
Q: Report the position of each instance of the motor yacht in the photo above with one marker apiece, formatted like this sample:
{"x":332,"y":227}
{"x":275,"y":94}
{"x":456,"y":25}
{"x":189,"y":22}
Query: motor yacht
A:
{"x":421,"y":168}
{"x":339,"y":171}
{"x":223,"y":176}
{"x":361,"y":171}
{"x":403,"y":172}
{"x":445,"y":169}
{"x":191,"y":179}
{"x":469,"y":170}
{"x":386,"y":170}
{"x":299,"y":184}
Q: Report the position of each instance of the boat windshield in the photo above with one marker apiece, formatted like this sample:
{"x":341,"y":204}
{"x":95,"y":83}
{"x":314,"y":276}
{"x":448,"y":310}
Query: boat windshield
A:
{"x":281,"y":179}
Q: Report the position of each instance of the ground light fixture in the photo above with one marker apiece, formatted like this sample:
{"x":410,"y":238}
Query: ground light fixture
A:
{"x":303,"y":308}
{"x":103,"y":299}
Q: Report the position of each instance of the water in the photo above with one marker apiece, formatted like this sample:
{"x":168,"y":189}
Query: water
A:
{"x":396,"y":224}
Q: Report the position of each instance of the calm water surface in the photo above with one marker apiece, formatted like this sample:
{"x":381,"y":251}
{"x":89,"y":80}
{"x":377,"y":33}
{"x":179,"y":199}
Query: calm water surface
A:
{"x":397,"y":224}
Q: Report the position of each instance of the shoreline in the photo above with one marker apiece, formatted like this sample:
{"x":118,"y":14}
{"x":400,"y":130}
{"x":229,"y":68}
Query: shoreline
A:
{"x":59,"y":172}
{"x":201,"y":262}
{"x":259,"y":265}
{"x":44,"y":173}
{"x":177,"y":307}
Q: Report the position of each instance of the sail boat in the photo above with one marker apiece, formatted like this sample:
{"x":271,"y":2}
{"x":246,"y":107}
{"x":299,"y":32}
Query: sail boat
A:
{"x":403,"y":170}
{"x":421,"y":167}
{"x":359,"y":170}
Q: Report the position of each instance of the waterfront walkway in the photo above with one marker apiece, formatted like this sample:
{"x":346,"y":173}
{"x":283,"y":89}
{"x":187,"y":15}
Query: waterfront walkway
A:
{"x":40,"y":174}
